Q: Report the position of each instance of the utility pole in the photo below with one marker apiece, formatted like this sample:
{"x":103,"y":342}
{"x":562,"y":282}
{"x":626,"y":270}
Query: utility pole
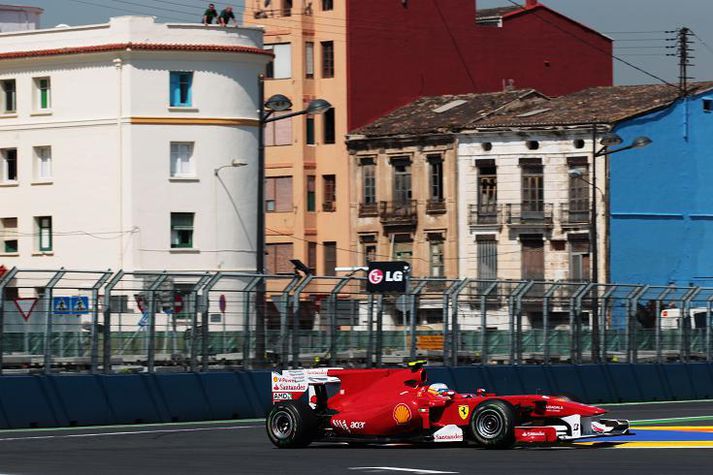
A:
{"x":683,"y":52}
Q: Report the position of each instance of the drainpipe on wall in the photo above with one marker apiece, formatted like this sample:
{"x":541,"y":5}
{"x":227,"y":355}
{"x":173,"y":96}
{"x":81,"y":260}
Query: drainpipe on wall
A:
{"x":118,"y":64}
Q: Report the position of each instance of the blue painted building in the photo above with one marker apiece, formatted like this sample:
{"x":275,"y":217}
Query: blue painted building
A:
{"x":661,"y":196}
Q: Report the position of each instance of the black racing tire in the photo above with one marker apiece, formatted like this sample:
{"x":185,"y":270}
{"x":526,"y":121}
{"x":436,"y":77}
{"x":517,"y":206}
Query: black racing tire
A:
{"x":291,"y":424}
{"x":492,"y":425}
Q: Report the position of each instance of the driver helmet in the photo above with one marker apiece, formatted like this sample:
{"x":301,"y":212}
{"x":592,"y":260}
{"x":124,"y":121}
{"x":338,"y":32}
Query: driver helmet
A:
{"x":438,"y":388}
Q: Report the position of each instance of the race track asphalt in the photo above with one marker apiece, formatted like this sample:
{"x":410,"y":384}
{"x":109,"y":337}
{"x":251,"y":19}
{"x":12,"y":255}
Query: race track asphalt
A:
{"x":242,"y":447}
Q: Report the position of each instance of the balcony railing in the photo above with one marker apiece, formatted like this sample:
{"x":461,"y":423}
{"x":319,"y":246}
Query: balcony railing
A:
{"x":329,"y":206}
{"x":531,"y":214}
{"x":484,"y":215}
{"x":368,"y":209}
{"x":436,"y":206}
{"x":398,"y":213}
{"x":574,"y":217}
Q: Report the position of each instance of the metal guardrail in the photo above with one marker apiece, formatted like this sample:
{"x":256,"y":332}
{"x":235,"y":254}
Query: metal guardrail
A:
{"x":103,"y":321}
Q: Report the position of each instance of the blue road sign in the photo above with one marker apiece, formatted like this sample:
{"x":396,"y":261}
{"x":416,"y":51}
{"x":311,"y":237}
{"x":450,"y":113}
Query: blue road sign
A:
{"x":80,"y":305}
{"x":61,"y":305}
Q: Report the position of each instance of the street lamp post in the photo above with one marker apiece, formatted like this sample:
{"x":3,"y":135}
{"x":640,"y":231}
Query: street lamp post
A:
{"x":266,"y":111}
{"x":607,"y":141}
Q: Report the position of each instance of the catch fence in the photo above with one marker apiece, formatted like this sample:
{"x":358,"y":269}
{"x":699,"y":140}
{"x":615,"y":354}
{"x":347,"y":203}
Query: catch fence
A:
{"x":103,"y":321}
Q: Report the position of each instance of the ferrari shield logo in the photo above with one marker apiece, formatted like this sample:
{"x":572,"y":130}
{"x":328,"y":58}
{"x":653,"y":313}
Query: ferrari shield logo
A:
{"x":463,"y":411}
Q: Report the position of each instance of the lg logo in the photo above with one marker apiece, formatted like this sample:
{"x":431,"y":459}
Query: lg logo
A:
{"x":376,"y":276}
{"x":387,"y":276}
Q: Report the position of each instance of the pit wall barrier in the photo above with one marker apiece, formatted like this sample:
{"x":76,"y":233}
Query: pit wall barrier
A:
{"x":81,"y":400}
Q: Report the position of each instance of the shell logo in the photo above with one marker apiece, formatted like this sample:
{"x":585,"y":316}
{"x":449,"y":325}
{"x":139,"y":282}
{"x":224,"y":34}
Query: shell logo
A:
{"x":275,"y":379}
{"x":402,"y":413}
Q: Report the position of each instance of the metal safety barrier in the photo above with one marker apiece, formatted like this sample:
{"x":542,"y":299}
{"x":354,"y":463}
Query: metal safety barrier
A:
{"x":109,"y":322}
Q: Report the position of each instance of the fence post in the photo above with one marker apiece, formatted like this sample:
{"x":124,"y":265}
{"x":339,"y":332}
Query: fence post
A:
{"x":295,"y":334}
{"x":370,"y":331}
{"x":517,"y":343}
{"x":414,"y":293}
{"x":708,"y":328}
{"x":455,"y":331}
{"x":94,"y":349}
{"x":686,"y":322}
{"x":380,"y":331}
{"x":284,"y":321}
{"x":9,"y":275}
{"x":632,"y":340}
{"x":48,"y":323}
{"x":484,"y":323}
{"x":546,"y":321}
{"x":581,"y":292}
{"x":657,"y":321}
{"x":247,"y":336}
{"x":107,"y":320}
{"x":333,"y":317}
{"x":446,"y":326}
{"x":151,"y":358}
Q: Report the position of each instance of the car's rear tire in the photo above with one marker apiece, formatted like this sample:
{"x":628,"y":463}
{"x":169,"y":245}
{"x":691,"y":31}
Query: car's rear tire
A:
{"x":493,"y":425}
{"x":291,"y":424}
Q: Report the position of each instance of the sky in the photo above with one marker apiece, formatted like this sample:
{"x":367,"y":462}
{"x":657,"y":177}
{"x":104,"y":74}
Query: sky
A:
{"x":639,"y":27}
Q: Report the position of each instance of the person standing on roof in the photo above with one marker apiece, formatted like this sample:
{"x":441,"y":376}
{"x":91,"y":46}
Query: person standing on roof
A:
{"x":210,"y":14}
{"x":227,"y":15}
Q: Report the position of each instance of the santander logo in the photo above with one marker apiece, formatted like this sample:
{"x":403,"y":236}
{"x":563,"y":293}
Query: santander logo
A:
{"x":376,"y":276}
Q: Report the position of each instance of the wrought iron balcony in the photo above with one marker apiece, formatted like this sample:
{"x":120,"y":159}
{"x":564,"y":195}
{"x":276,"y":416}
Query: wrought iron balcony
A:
{"x":436,"y":206}
{"x":368,"y":209}
{"x":484,"y":215}
{"x":398,"y":213}
{"x":530,"y":214}
{"x":574,"y":217}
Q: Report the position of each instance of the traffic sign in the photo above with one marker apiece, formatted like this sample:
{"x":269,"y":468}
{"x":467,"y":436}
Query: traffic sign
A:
{"x":222,"y":303}
{"x":177,"y":304}
{"x":25,"y":306}
{"x":79,"y":305}
{"x":61,"y":305}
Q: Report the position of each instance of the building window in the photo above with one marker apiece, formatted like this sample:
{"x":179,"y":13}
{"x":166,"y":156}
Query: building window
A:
{"x":369,"y":252}
{"x":43,"y":231}
{"x":487,"y":195}
{"x":8,"y":231}
{"x":311,"y":193}
{"x":533,"y":257}
{"x":9,"y":96}
{"x":278,"y":132}
{"x":435,"y":169}
{"x":182,"y":230}
{"x":9,"y":164}
{"x":436,"y":261}
{"x":278,"y":194}
{"x":43,"y":163}
{"x":579,"y":261}
{"x":312,"y":256}
{"x":327,"y":5}
{"x":327,"y":59}
{"x":329,"y":195}
{"x":281,"y":65}
{"x":182,"y":159}
{"x":533,"y":194}
{"x":277,"y":259}
{"x":402,"y":181}
{"x":43,"y":100}
{"x":181,"y":85}
{"x":286,"y":7}
{"x":329,"y":126}
{"x":309,"y":130}
{"x":330,"y":258}
{"x":309,"y":59}
{"x":403,"y":249}
{"x":578,"y":194}
{"x":487,"y":256}
{"x":368,"y":183}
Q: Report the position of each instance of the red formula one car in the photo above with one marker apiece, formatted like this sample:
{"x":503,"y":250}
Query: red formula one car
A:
{"x":364,"y":406}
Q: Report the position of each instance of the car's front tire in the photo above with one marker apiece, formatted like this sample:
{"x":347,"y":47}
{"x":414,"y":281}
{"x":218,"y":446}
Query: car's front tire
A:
{"x":291,"y":424}
{"x":493,"y":425}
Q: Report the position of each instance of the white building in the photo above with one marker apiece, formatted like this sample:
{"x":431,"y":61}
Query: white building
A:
{"x":110,"y":138}
{"x":18,"y":18}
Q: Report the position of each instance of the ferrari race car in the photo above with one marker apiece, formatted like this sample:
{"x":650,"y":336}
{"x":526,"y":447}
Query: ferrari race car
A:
{"x":363,"y":406}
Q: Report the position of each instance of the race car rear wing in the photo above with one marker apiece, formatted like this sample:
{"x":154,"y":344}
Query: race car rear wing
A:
{"x":291,"y":384}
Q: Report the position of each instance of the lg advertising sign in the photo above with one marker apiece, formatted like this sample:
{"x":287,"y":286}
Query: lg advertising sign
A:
{"x":387,"y":276}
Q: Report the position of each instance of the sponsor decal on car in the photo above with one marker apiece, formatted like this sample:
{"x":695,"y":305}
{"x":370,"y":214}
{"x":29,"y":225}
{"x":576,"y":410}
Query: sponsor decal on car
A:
{"x":290,"y":387}
{"x":553,"y":408}
{"x":281,"y":396}
{"x":533,"y":433}
{"x":402,"y":413}
{"x":463,"y":411}
{"x":449,"y":433}
{"x":348,"y":426}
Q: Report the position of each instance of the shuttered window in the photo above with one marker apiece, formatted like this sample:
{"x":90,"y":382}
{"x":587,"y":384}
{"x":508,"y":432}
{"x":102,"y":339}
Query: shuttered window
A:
{"x":533,"y":257}
{"x":181,"y":88}
{"x":311,"y":195}
{"x":278,"y":194}
{"x":281,"y":66}
{"x":329,"y":198}
{"x":487,"y":251}
{"x":182,"y":230}
{"x":330,"y":258}
{"x":278,"y":132}
{"x":277,"y":259}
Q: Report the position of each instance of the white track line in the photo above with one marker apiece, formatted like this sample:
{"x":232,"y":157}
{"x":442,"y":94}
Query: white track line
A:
{"x":112,"y":434}
{"x":421,"y":471}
